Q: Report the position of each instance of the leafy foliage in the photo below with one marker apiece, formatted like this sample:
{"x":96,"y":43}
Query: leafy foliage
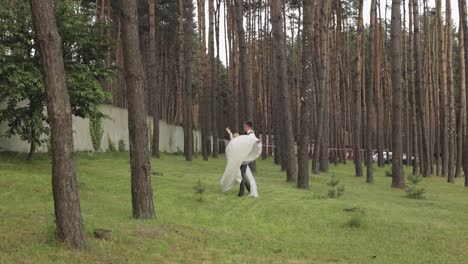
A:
{"x":199,"y":189}
{"x":356,"y":220}
{"x":357,"y":217}
{"x":335,"y":190}
{"x":111,"y":147}
{"x":388,"y":173}
{"x":413,"y":191}
{"x":121,"y":145}
{"x":22,"y":94}
{"x":96,"y":131}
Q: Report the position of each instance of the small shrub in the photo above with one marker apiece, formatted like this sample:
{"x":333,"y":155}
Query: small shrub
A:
{"x":355,"y":221}
{"x":388,"y":173}
{"x":151,"y":137}
{"x":49,"y":146}
{"x":96,"y":131}
{"x":171,"y":139}
{"x":111,"y":145}
{"x":335,"y":190}
{"x":317,"y":196}
{"x":199,"y":189}
{"x":413,"y":191}
{"x":121,"y":145}
{"x":178,"y":151}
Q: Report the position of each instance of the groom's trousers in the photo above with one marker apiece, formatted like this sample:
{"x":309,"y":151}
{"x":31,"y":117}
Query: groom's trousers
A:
{"x":244,"y":184}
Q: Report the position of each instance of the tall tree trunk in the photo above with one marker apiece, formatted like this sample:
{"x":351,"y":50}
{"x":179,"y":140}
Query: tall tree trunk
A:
{"x":152,"y":79}
{"x":435,"y":80}
{"x":422,"y":106}
{"x":325,"y":61}
{"x":220,"y":115}
{"x":373,"y":45}
{"x":188,"y":123}
{"x":288,"y":152}
{"x":462,"y":8}
{"x":461,"y":126}
{"x":337,"y":78}
{"x":357,"y":95}
{"x":203,"y":93}
{"x":306,"y":97}
{"x":323,"y":87}
{"x":212,"y":79}
{"x":451,"y":96}
{"x":443,"y":89}
{"x":64,"y":184}
{"x":412,"y":94}
{"x":142,"y":192}
{"x":181,"y":70}
{"x":380,"y":104}
{"x":398,"y":180}
{"x":243,"y":64}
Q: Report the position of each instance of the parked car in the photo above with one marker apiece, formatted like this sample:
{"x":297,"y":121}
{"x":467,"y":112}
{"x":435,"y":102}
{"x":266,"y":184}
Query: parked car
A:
{"x":385,"y":158}
{"x":389,"y":159}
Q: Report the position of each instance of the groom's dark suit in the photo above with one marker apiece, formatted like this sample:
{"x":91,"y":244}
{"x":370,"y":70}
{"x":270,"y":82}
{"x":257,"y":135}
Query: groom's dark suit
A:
{"x":244,"y":184}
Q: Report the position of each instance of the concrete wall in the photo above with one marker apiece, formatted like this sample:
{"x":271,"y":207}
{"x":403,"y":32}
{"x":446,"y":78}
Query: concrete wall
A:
{"x":171,"y":138}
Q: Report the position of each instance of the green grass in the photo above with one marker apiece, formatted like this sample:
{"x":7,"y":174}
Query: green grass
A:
{"x":285,"y":225}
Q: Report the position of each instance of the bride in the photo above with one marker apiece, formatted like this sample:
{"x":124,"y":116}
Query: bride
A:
{"x":241,"y":150}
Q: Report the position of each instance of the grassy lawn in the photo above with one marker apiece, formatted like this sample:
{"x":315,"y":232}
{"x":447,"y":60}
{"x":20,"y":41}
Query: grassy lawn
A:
{"x":285,"y":225}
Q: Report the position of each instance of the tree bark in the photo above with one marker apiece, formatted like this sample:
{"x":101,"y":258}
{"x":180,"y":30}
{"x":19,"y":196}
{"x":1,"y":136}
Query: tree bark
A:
{"x":142,"y":192}
{"x":443,"y":89}
{"x":212,"y":79}
{"x":322,"y":87}
{"x":306,"y":97}
{"x":373,"y":45}
{"x":380,"y":104}
{"x":288,"y":152}
{"x":181,"y":70}
{"x":64,"y":184}
{"x":152,"y":79}
{"x":243,"y":64}
{"x":398,"y":180}
{"x":203,"y":93}
{"x":412,"y":94}
{"x":188,"y":117}
{"x":325,"y":85}
{"x":462,"y":7}
{"x":357,"y":95}
{"x":451,"y":96}
{"x":461,"y":126}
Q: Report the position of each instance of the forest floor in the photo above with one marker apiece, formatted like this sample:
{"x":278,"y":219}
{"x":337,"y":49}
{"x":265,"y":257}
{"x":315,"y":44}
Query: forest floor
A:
{"x":285,"y":225}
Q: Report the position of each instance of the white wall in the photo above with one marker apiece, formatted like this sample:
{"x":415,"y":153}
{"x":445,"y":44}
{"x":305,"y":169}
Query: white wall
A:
{"x":171,"y":137}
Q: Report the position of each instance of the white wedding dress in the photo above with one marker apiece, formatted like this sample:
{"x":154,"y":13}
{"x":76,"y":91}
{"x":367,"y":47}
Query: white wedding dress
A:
{"x":241,"y":150}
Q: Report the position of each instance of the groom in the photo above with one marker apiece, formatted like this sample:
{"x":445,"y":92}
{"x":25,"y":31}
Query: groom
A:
{"x":245,"y":184}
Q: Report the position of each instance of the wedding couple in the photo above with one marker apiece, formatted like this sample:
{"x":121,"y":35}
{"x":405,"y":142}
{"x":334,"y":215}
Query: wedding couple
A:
{"x":240,"y":152}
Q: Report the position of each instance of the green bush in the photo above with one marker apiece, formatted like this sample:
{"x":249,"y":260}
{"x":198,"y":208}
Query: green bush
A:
{"x":96,"y":131}
{"x":335,"y":190}
{"x":355,"y":221}
{"x":121,"y":145}
{"x":388,"y":173}
{"x":356,"y":217}
{"x":199,"y":189}
{"x":49,"y":146}
{"x":151,"y":137}
{"x":112,"y":147}
{"x":413,"y":191}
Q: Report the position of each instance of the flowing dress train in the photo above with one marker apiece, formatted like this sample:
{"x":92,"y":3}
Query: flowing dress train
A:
{"x":241,"y":150}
